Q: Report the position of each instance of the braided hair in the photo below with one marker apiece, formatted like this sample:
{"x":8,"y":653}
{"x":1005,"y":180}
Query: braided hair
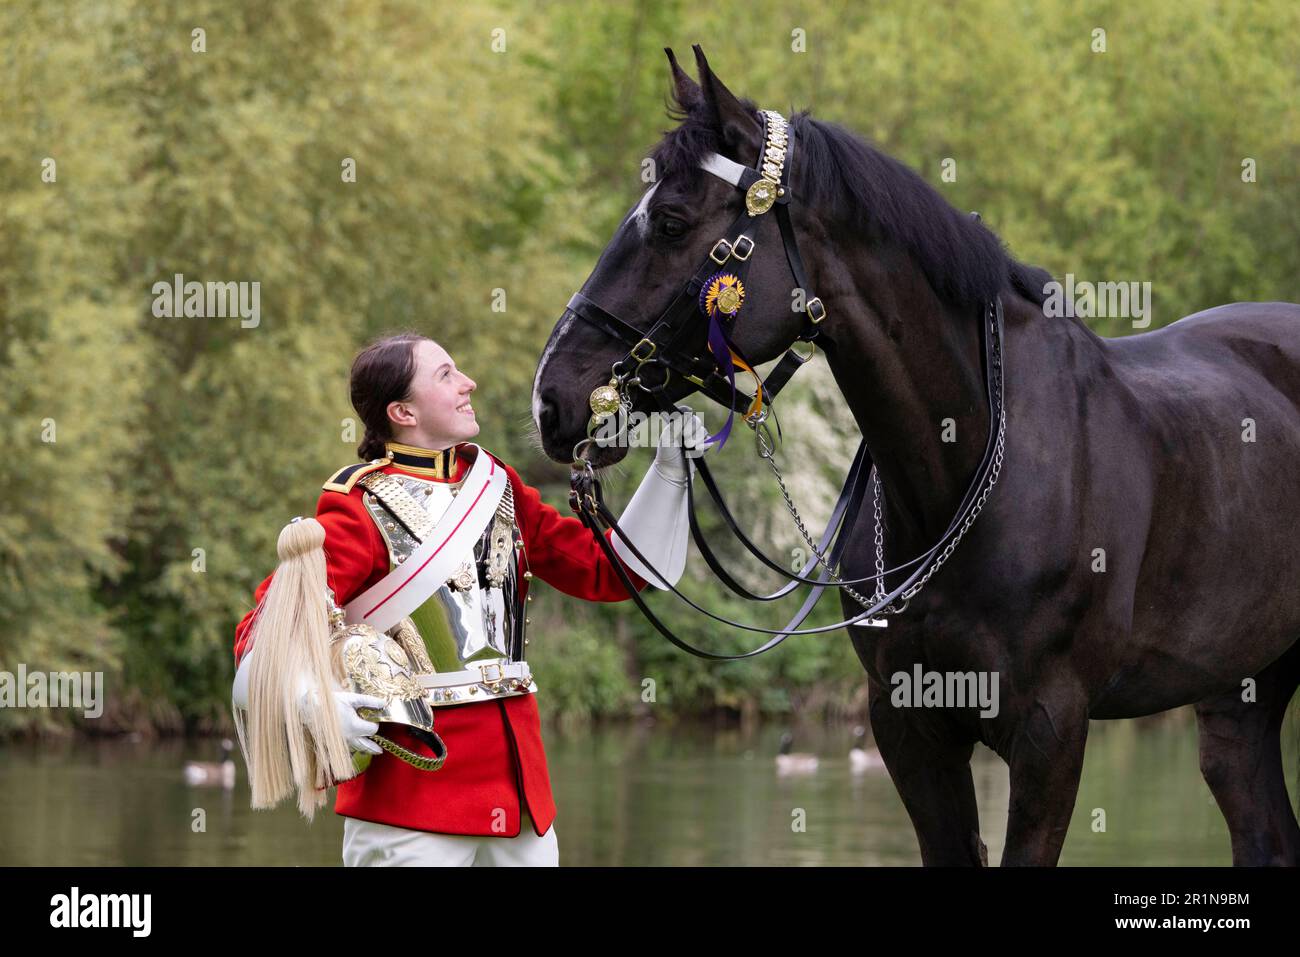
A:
{"x":381,"y":374}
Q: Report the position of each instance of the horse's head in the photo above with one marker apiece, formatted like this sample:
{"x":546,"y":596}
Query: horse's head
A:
{"x":665,"y":239}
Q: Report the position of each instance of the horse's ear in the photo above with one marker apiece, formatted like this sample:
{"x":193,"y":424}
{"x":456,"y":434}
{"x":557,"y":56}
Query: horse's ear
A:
{"x":685,"y":90}
{"x":737,"y":126}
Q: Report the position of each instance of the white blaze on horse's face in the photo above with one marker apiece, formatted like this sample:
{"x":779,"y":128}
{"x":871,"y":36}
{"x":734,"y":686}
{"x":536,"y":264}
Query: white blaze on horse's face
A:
{"x":640,"y":214}
{"x":551,"y":346}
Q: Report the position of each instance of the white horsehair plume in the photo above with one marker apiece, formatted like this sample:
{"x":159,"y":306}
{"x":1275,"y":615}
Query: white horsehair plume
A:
{"x":297,"y":744}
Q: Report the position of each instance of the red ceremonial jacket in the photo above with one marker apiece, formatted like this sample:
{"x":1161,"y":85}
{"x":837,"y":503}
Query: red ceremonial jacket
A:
{"x":495,"y":757}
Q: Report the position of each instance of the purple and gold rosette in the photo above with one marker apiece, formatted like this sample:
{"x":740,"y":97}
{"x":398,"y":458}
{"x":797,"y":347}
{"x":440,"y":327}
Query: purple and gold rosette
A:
{"x":722,"y":295}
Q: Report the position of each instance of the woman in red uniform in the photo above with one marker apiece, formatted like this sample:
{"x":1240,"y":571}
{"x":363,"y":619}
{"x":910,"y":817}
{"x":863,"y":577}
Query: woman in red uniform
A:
{"x":491,"y":802}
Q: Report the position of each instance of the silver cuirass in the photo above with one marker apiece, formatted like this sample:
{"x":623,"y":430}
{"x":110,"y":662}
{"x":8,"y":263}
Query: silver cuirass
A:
{"x":476,"y":617}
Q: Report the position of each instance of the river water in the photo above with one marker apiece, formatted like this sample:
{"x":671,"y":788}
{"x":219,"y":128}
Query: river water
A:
{"x":627,"y":795}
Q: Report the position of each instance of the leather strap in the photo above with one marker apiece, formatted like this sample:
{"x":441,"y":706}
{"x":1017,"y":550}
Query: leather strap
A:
{"x":591,"y":509}
{"x":669,"y":330}
{"x":586,"y":498}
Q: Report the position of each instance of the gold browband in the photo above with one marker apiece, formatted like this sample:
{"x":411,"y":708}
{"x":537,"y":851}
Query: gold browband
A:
{"x":762,"y":193}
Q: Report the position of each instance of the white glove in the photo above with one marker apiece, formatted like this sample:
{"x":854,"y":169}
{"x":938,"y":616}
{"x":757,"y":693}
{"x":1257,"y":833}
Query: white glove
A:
{"x":355,"y":728}
{"x":669,"y":459}
{"x":656,"y":518}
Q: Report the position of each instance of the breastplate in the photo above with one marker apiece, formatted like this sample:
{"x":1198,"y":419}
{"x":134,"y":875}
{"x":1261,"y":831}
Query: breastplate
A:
{"x":477,"y":614}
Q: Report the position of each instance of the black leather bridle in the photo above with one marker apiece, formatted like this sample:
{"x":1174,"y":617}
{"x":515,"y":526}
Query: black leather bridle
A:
{"x":659,"y":348}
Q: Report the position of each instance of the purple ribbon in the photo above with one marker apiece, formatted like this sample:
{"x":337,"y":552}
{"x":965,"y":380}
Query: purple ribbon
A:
{"x":720,"y":346}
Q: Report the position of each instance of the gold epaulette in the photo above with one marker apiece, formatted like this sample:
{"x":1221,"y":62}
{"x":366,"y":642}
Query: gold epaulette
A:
{"x":349,"y":475}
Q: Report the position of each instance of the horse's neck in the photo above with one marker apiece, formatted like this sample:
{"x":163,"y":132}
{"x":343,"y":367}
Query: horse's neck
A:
{"x":910,"y":368}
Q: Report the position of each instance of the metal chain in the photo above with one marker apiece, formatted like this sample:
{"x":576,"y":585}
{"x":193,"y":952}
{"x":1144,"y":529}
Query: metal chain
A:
{"x":418,"y":761}
{"x":766,"y":447}
{"x":765,"y":451}
{"x":881,"y":592}
{"x":998,"y":451}
{"x":763,"y":438}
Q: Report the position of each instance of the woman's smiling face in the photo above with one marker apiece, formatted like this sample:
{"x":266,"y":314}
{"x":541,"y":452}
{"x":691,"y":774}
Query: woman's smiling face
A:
{"x":436,"y":412}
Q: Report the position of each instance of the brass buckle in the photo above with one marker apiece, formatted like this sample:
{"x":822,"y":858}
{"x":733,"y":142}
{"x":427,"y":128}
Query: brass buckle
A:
{"x":748,"y":246}
{"x":724,"y":245}
{"x":815,"y":314}
{"x":642,"y":358}
{"x":492,"y":684}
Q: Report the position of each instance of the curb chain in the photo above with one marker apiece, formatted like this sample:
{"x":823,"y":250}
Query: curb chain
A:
{"x":765,"y":451}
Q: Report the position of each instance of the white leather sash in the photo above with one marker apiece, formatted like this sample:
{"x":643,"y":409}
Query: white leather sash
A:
{"x":406,"y":587}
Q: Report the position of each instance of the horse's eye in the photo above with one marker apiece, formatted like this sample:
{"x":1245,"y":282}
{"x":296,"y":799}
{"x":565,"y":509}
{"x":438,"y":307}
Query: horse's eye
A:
{"x":669,"y":228}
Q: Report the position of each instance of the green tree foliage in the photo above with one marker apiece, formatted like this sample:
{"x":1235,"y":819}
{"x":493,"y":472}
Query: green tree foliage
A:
{"x":495,"y":147}
{"x":72,"y":355}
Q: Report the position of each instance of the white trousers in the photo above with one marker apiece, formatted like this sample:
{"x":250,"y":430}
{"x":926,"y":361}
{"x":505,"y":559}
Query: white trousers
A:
{"x":366,"y":844}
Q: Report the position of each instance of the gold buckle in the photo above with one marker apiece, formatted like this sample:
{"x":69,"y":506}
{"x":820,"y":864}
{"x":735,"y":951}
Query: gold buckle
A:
{"x":492,"y":684}
{"x":736,"y":247}
{"x":818,"y":314}
{"x":713,"y":253}
{"x":643,"y":358}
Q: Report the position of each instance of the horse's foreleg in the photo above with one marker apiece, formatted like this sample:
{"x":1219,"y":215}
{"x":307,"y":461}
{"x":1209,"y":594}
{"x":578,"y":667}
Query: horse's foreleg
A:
{"x":1046,"y":758}
{"x":930,"y":766}
{"x":1241,"y":760}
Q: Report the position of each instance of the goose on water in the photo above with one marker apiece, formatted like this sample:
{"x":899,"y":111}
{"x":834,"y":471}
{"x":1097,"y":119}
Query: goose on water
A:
{"x":862,"y":758}
{"x":788,"y":762}
{"x":213,"y":774}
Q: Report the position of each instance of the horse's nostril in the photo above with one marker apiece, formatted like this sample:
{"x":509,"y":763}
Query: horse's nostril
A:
{"x":547,"y":416}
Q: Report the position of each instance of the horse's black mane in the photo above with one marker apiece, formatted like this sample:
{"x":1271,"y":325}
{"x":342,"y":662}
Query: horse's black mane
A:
{"x":963,"y":260}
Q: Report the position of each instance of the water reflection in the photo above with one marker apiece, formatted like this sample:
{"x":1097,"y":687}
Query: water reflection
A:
{"x":647,"y":795}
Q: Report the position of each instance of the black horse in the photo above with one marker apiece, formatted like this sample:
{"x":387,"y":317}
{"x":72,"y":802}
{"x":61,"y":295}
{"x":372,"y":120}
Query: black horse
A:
{"x":1139,"y":552}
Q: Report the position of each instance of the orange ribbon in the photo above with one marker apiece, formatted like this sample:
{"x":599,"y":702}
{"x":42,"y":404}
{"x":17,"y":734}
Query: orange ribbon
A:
{"x":757,"y":404}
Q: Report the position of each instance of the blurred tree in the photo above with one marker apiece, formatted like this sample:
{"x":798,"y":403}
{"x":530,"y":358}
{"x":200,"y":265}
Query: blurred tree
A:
{"x":495,"y":147}
{"x":71,"y":356}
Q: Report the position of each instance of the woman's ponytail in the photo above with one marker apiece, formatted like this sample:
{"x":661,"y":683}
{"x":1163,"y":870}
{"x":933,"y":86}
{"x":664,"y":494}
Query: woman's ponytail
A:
{"x":382,"y":374}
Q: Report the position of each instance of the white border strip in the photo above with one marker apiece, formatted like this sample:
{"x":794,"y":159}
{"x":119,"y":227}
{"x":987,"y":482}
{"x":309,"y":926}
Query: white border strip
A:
{"x":406,"y":587}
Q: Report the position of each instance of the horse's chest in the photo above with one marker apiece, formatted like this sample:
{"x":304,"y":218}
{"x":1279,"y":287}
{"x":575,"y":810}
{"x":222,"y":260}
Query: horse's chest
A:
{"x":932,"y":642}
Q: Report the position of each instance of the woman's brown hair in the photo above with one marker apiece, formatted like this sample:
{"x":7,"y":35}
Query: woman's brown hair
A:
{"x":382,"y":373}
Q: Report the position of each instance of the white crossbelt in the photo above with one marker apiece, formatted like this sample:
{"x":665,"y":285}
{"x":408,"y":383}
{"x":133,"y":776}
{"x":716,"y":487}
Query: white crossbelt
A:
{"x":406,"y":587}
